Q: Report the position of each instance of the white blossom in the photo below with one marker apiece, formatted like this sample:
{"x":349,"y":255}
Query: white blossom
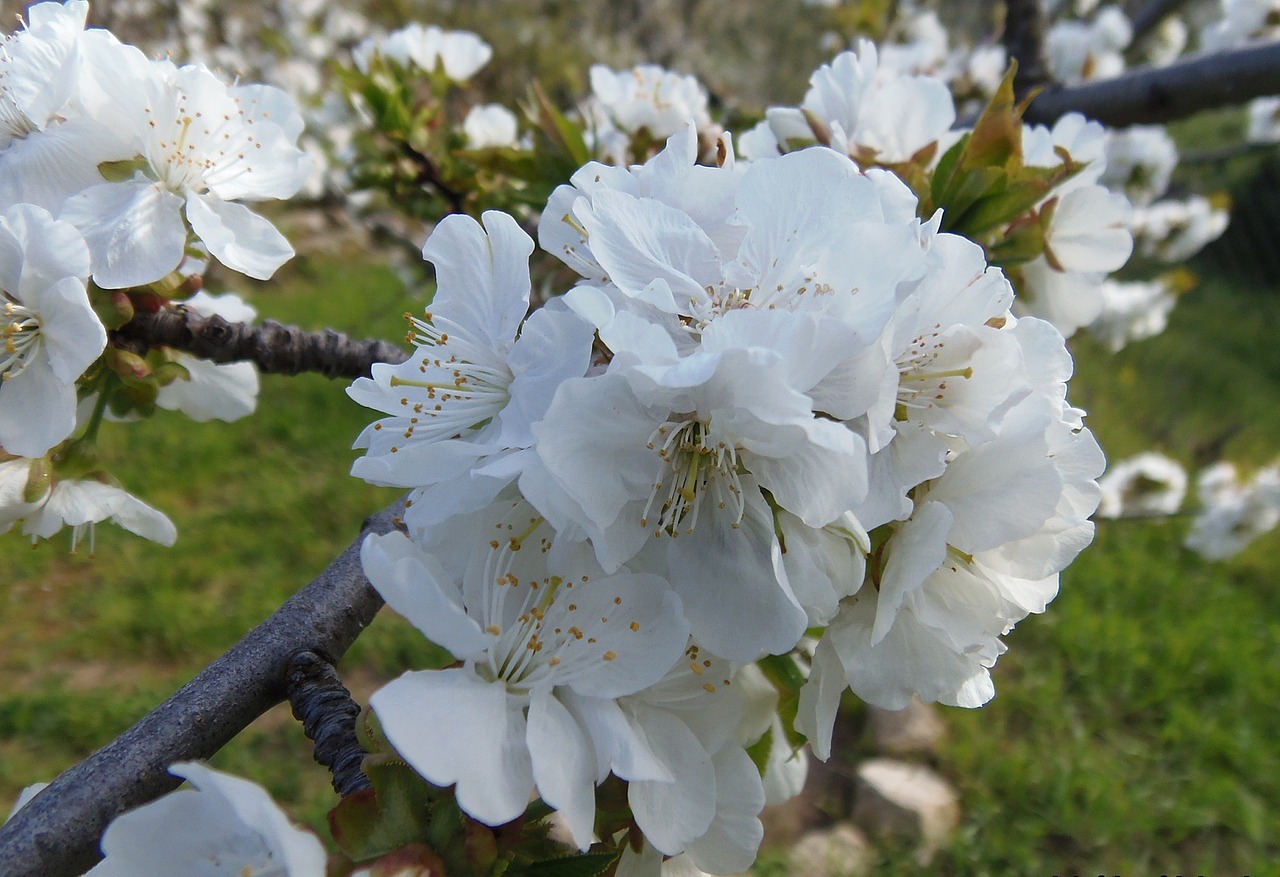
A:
{"x":489,"y":126}
{"x":221,"y":825}
{"x":48,"y":329}
{"x":548,"y":642}
{"x":1077,"y":52}
{"x":205,"y":147}
{"x":1174,"y":231}
{"x":650,"y":98}
{"x":460,"y":54}
{"x":479,"y":379}
{"x":1140,"y":160}
{"x":1148,"y":484}
{"x":1233,"y":513}
{"x":1132,"y":311}
{"x":1264,"y":120}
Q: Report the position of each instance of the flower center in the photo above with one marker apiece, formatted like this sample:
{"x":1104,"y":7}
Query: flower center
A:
{"x":20,"y":330}
{"x":696,"y":468}
{"x":458,"y":391}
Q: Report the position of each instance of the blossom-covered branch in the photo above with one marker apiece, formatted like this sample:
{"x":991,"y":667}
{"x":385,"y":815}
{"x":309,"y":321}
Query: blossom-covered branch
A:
{"x":1161,"y":94}
{"x":57,"y":833}
{"x":273,"y":347}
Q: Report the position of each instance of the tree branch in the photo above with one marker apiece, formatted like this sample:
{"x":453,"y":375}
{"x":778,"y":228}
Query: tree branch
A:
{"x":57,"y":832}
{"x":272,"y":347}
{"x":1023,"y":38}
{"x":1161,"y":94}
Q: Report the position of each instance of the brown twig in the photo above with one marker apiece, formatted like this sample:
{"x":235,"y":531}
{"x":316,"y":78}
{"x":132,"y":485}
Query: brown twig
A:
{"x":273,"y":347}
{"x":57,"y":832}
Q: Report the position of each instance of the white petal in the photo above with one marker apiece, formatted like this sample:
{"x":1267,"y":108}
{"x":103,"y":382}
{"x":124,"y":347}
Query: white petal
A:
{"x":237,"y":237}
{"x":563,"y":765}
{"x":455,"y":728}
{"x":134,"y":231}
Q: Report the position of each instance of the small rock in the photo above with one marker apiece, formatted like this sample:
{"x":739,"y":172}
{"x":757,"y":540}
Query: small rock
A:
{"x":839,"y":851}
{"x":908,"y":801}
{"x":917,"y":729}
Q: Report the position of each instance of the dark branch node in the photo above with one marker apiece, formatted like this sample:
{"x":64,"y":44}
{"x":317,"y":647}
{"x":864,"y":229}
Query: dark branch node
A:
{"x":328,"y":715}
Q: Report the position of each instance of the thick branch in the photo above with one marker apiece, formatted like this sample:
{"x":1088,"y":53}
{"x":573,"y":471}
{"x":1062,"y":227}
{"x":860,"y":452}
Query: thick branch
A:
{"x":1161,"y":94}
{"x":1023,"y":38}
{"x":57,"y":832}
{"x":272,"y":347}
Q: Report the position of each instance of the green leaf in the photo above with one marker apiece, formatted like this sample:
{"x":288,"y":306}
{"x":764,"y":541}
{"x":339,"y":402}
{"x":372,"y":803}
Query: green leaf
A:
{"x":396,"y":812}
{"x":585,"y":865}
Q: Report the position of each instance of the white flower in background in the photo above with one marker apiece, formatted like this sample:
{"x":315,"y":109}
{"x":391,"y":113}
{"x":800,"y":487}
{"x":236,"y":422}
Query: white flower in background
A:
{"x":1083,"y":139}
{"x":1264,"y":120}
{"x":460,"y":54}
{"x":924,"y":51}
{"x":221,"y":825}
{"x":1148,"y":484}
{"x":78,"y":503}
{"x":212,"y":390}
{"x":1167,"y":43}
{"x":547,"y":643}
{"x":1088,"y":232}
{"x":1140,"y":160}
{"x":1068,"y":299}
{"x":480,"y":377}
{"x":48,"y":330}
{"x":869,"y":109}
{"x":205,"y":147}
{"x":650,"y":98}
{"x":1132,"y":311}
{"x":1174,"y":231}
{"x":24,"y":798}
{"x":1233,"y":513}
{"x":1242,"y":21}
{"x":490,"y":125}
{"x":1079,"y":52}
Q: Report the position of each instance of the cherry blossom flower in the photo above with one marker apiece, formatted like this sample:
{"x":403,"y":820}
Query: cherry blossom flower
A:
{"x":460,"y":54}
{"x":650,"y":98}
{"x":1233,"y":512}
{"x":205,"y":147}
{"x":221,"y":825}
{"x":1148,"y":484}
{"x":78,"y":503}
{"x":479,"y":379}
{"x":49,"y":331}
{"x":541,"y":634}
{"x":489,"y":126}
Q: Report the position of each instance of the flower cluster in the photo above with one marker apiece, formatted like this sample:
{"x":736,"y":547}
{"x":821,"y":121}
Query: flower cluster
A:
{"x":775,"y":401}
{"x":120,"y":176}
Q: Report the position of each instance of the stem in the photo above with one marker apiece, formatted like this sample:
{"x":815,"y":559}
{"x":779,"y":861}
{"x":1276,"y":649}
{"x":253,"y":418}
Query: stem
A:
{"x":99,"y":409}
{"x":57,"y":832}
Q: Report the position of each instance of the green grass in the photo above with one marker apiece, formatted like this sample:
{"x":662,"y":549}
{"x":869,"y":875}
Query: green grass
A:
{"x":1132,"y":732}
